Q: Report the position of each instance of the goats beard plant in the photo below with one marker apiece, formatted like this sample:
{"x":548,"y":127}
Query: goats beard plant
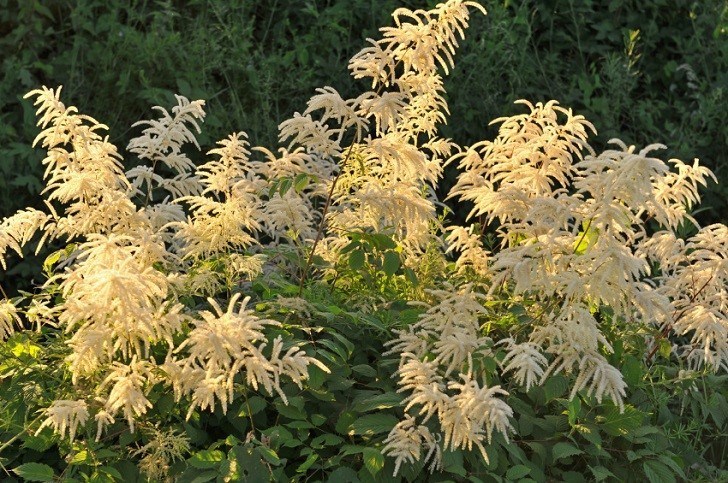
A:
{"x":158,"y":286}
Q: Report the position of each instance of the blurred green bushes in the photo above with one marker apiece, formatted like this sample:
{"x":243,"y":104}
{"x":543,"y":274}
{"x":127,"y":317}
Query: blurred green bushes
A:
{"x":646,"y":72}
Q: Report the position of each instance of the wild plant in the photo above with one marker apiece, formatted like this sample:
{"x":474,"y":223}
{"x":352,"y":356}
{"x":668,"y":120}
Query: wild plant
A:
{"x":152,"y":288}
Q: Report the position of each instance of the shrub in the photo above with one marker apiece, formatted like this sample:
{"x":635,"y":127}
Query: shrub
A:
{"x":235,"y":320}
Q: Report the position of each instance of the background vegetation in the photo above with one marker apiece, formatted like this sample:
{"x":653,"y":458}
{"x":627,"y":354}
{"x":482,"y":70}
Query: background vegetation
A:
{"x":652,"y":71}
{"x":646,"y":71}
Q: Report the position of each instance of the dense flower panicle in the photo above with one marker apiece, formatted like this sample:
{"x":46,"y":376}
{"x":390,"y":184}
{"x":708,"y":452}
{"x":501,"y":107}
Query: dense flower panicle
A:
{"x":404,"y":443}
{"x":224,"y":343}
{"x":473,"y":414}
{"x":472,"y":254}
{"x":163,"y":139}
{"x":127,"y":389}
{"x":436,"y":353}
{"x":525,"y":360}
{"x":17,"y":230}
{"x":532,"y":157}
{"x":65,"y":416}
{"x":586,"y":249}
{"x":290,"y":216}
{"x":9,"y":319}
{"x":116,"y":300}
{"x":696,"y":280}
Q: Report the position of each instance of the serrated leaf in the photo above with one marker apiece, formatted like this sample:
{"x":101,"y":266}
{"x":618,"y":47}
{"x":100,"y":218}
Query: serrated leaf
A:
{"x":669,"y":462}
{"x":52,"y":259}
{"x":326,"y":440}
{"x":621,"y":424}
{"x":373,"y":460}
{"x":34,"y":472}
{"x":285,"y":185}
{"x":382,"y":241}
{"x":39,"y":443}
{"x":555,"y":387}
{"x":657,"y":472}
{"x":343,"y":475}
{"x":300,"y":182}
{"x":517,"y":472}
{"x":372,"y":424}
{"x":718,"y":408}
{"x":81,"y":457}
{"x":601,"y":473}
{"x":318,"y":419}
{"x":586,"y":238}
{"x":268,"y":454}
{"x":564,"y":450}
{"x":391,"y":262}
{"x":356,"y":259}
{"x":574,"y":410}
{"x":632,"y":370}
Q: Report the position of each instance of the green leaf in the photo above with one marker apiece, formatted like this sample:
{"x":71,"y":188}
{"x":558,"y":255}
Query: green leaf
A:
{"x":252,"y":406}
{"x":555,"y":387}
{"x":250,"y":467}
{"x":665,"y":348}
{"x":207,"y":458}
{"x":391,"y":262}
{"x":108,"y":473}
{"x":285,"y":185}
{"x":601,"y":473}
{"x":308,"y":463}
{"x":657,"y":472}
{"x":343,"y":475}
{"x":382,"y":241}
{"x":517,"y":472}
{"x":356,"y":259}
{"x":564,"y":450}
{"x":364,"y":370}
{"x":290,"y":411}
{"x":675,"y":467}
{"x":411,"y":276}
{"x":326,"y":440}
{"x":621,"y":424}
{"x":380,"y":401}
{"x":373,"y":460}
{"x":586,"y":238}
{"x":345,"y":420}
{"x":718,"y":407}
{"x":318,"y":419}
{"x":269,"y":455}
{"x":300,"y":182}
{"x":632,"y":370}
{"x":372,"y":424}
{"x":574,"y":410}
{"x":52,"y":259}
{"x":43,"y":441}
{"x":34,"y":472}
{"x":81,"y":457}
